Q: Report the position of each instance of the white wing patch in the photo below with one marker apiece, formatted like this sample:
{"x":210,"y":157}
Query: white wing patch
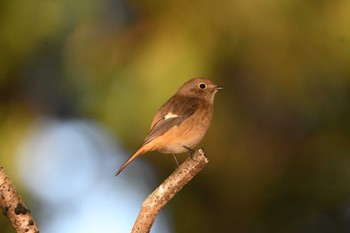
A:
{"x":170,"y":115}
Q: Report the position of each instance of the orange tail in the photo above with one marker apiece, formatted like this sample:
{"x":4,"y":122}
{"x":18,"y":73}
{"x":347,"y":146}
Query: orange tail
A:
{"x":139,"y":152}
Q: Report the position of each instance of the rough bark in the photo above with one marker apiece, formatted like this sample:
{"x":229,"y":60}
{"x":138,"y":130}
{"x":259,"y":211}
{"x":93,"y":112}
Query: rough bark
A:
{"x":14,"y":208}
{"x":167,"y":190}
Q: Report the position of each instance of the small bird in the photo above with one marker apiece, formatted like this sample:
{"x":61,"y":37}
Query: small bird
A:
{"x":181,"y":122}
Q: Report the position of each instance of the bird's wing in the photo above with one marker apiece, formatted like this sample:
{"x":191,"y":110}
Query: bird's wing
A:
{"x":172,"y":114}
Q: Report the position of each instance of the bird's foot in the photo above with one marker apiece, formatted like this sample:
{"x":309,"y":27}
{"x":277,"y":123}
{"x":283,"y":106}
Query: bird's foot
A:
{"x":177,"y":162}
{"x":191,"y":151}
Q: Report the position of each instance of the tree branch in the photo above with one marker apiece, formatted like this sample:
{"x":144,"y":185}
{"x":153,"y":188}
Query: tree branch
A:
{"x":167,"y":190}
{"x":13,"y":207}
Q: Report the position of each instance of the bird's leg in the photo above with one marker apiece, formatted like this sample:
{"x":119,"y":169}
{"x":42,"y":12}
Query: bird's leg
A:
{"x":190,"y":150}
{"x":177,"y":162}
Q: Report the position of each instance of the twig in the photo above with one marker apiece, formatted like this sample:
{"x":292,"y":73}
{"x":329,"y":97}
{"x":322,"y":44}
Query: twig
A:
{"x":13,"y":207}
{"x":167,"y":190}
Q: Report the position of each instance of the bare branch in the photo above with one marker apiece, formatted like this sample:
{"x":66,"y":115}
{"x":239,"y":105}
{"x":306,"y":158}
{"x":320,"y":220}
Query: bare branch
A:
{"x":167,"y":190}
{"x":14,"y":208}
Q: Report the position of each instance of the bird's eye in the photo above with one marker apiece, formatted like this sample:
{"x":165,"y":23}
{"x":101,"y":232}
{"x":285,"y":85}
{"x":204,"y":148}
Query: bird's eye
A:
{"x":202,"y":86}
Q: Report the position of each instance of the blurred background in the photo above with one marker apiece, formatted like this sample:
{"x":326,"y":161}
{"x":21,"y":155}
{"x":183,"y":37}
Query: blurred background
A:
{"x":81,"y":81}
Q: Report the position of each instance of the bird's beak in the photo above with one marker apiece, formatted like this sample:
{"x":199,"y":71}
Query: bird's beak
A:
{"x":219,"y":88}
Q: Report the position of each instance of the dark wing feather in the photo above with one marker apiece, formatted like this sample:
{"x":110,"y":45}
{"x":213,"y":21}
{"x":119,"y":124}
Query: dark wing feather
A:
{"x":181,"y":106}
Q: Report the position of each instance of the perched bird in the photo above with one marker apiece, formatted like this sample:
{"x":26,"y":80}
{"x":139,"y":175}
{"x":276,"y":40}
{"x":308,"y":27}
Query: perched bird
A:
{"x":182,"y":121}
